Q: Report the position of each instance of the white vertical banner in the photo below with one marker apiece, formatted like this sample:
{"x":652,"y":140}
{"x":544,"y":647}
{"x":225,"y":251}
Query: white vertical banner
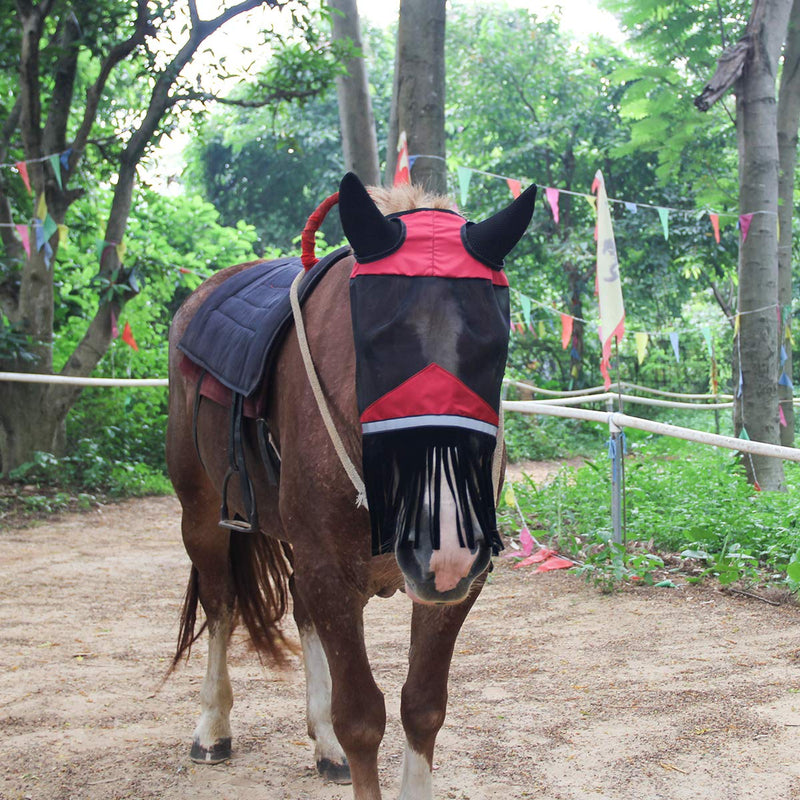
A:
{"x":609,"y":285}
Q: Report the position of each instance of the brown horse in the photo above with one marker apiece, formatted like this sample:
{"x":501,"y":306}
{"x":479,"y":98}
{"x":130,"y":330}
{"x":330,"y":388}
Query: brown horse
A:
{"x":314,"y":541}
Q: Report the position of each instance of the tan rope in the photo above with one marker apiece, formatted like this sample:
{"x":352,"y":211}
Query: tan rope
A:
{"x":316,"y":388}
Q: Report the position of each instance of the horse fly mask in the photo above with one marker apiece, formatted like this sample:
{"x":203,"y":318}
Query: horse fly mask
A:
{"x":430,"y":311}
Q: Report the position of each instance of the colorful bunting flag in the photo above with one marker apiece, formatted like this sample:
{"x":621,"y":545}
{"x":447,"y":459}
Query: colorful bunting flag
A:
{"x":552,"y":200}
{"x":65,"y":159}
{"x":673,"y":337}
{"x":706,"y":331}
{"x":737,"y":326}
{"x":121,"y":248}
{"x":127,"y":336}
{"x":715,"y":225}
{"x":632,"y":207}
{"x":55,"y":163}
{"x":464,"y":178}
{"x":663,"y":214}
{"x":25,"y":236}
{"x":515,"y":187}
{"x":609,"y":286}
{"x":402,"y":173}
{"x":641,"y":345}
{"x":744,"y":225}
{"x":526,"y":308}
{"x":63,"y":234}
{"x":785,"y":380}
{"x":41,"y":207}
{"x":49,"y":227}
{"x":781,"y":416}
{"x":22,"y":168}
{"x":566,"y":330}
{"x":744,"y":434}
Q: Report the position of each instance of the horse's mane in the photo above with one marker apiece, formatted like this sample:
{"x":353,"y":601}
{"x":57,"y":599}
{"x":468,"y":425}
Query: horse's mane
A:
{"x":407,"y":196}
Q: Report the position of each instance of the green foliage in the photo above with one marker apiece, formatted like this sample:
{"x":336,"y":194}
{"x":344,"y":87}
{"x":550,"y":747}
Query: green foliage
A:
{"x":681,"y":498}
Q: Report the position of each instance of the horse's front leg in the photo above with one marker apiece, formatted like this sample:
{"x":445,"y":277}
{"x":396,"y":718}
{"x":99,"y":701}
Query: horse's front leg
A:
{"x":328,"y":754}
{"x":423,"y":704}
{"x":357,"y":708}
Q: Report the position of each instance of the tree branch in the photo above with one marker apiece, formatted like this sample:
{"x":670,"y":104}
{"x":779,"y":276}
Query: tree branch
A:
{"x":729,"y":69}
{"x":208,"y":97}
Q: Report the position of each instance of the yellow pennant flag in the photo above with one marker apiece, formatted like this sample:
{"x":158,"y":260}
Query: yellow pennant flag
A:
{"x":41,"y":207}
{"x":737,"y":326}
{"x":609,"y":285}
{"x":121,"y":250}
{"x":641,"y":345}
{"x":63,"y":234}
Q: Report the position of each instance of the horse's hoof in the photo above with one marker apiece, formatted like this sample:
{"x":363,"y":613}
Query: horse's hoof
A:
{"x":218,"y":752}
{"x":333,"y":772}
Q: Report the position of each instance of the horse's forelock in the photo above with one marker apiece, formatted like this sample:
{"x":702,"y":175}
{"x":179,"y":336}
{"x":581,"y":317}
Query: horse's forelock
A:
{"x":405,"y":197}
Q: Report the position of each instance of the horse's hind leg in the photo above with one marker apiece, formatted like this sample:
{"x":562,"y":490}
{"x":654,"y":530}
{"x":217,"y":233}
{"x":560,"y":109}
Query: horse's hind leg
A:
{"x":328,"y":754}
{"x":423,"y":703}
{"x":208,"y":547}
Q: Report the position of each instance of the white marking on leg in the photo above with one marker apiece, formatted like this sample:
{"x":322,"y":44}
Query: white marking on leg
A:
{"x":417,"y":781}
{"x":216,"y":696}
{"x":318,"y":699}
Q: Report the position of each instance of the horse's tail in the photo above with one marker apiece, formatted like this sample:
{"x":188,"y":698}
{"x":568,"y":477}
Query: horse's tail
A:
{"x":261,"y":568}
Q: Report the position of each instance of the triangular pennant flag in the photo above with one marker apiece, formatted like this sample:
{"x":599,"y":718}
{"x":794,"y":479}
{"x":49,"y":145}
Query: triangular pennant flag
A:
{"x":526,"y":308}
{"x":114,"y":327}
{"x":663,"y":214}
{"x":122,"y":248}
{"x":515,"y":187}
{"x":715,"y":225}
{"x":784,"y":355}
{"x":49,"y":227}
{"x":641,"y":339}
{"x":65,"y":159}
{"x":609,"y":285}
{"x":25,"y":236}
{"x":63,"y":234}
{"x":22,"y":168}
{"x":785,"y":380}
{"x":464,"y":178}
{"x":552,"y":200}
{"x":632,"y":207}
{"x":737,"y":326}
{"x":41,"y":207}
{"x":38,"y":233}
{"x":592,"y":201}
{"x":706,"y":331}
{"x":402,"y":172}
{"x":744,"y":225}
{"x":781,"y":416}
{"x":744,"y":434}
{"x":55,"y":163}
{"x":48,"y":253}
{"x":566,"y":330}
{"x":673,"y":337}
{"x":127,"y":336}
{"x":411,"y":161}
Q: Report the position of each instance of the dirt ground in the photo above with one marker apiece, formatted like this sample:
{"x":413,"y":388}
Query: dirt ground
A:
{"x":556,"y":690}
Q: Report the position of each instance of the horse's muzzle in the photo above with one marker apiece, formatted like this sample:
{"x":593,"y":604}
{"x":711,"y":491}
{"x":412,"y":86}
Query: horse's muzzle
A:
{"x":430,"y":583}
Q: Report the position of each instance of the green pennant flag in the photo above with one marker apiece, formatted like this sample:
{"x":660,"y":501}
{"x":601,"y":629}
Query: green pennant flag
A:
{"x":744,"y":434}
{"x":464,"y":177}
{"x":706,"y":331}
{"x":55,"y":163}
{"x":49,"y":227}
{"x":526,"y":308}
{"x":663,"y":213}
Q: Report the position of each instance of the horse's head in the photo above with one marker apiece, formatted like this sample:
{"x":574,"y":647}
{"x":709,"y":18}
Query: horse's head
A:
{"x":430,"y":311}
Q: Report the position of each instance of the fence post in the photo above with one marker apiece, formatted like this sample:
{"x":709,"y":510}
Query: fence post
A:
{"x":615,"y":447}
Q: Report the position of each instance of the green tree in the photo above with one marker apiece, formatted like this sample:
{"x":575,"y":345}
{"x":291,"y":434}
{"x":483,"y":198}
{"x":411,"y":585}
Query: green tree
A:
{"x":95,"y":85}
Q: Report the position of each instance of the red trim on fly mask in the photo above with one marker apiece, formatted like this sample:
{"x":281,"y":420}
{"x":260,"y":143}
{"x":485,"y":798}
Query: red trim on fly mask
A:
{"x":308,"y":243}
{"x":433,"y":247}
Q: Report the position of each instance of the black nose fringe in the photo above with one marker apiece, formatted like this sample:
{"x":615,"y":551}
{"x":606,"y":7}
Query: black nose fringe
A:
{"x":404,"y":468}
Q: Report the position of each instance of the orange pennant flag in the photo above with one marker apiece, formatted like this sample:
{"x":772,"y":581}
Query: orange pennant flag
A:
{"x":566,"y":330}
{"x":127,"y":336}
{"x":515,"y":187}
{"x":402,"y":173}
{"x":715,"y":225}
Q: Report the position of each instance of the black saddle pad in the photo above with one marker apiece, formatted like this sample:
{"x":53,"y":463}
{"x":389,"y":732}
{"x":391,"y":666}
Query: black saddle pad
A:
{"x":235,"y":331}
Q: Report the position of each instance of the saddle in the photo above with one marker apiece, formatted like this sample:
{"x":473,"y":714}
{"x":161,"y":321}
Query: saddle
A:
{"x":229,"y":349}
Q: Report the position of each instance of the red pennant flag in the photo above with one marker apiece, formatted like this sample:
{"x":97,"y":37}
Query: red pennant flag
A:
{"x":781,"y":415}
{"x":127,"y":336}
{"x":184,"y":270}
{"x":22,"y":168}
{"x":566,"y":330}
{"x":555,"y":562}
{"x":715,"y":225}
{"x":515,"y":186}
{"x":744,"y":224}
{"x":402,"y":173}
{"x":552,"y":198}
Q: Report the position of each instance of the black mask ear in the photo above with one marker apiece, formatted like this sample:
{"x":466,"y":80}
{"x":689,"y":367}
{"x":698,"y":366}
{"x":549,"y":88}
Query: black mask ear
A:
{"x":370,"y":234}
{"x":493,"y":239}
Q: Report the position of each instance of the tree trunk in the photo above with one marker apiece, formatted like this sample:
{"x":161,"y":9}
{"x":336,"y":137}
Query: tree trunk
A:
{"x":359,"y":140}
{"x":788,"y":119}
{"x":756,"y":409}
{"x":419,"y":89}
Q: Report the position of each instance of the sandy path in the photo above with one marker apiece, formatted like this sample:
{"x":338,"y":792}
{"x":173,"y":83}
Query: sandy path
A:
{"x":556,"y":691}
